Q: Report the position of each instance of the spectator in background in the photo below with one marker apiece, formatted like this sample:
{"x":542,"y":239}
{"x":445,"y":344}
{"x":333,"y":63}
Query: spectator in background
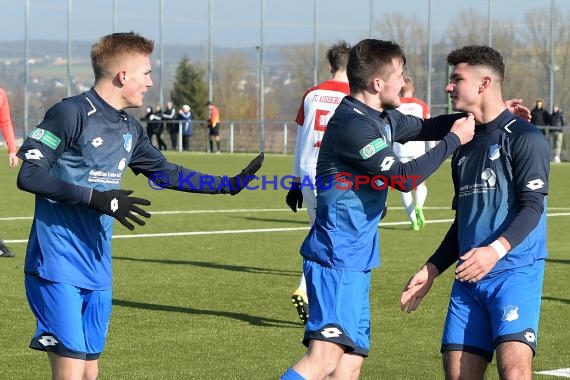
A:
{"x":149,"y":115}
{"x":411,"y":105}
{"x":157,"y":127}
{"x":153,"y":127}
{"x":10,"y":139}
{"x":539,"y":116}
{"x":185,"y":117}
{"x":214,"y":126}
{"x":557,"y":120}
{"x":169,"y":115}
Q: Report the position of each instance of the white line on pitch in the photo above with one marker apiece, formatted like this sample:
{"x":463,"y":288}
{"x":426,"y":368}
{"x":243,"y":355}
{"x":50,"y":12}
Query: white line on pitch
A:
{"x":248,"y":231}
{"x":562,"y":372}
{"x":175,"y":212}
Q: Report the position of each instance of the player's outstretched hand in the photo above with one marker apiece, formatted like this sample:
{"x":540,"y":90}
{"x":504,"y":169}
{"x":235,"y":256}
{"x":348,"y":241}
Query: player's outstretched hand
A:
{"x":294,"y":197}
{"x":464,"y":128}
{"x":247,"y":175}
{"x":417,"y":288}
{"x":118,"y":204}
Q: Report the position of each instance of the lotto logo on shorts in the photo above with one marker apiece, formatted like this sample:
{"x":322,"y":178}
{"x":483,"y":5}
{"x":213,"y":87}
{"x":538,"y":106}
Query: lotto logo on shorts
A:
{"x":331,"y":332}
{"x":48,"y":340}
{"x":530,"y":337}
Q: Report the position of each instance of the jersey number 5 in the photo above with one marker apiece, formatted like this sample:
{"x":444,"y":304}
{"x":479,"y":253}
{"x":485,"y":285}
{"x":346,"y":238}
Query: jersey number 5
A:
{"x":321,"y":119}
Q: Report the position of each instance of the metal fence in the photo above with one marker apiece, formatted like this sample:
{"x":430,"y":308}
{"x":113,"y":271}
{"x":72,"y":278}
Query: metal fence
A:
{"x":280,"y":136}
{"x":241,"y":136}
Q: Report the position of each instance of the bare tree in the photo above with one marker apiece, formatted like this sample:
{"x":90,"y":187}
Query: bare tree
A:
{"x":231,"y":94}
{"x":537,"y":38}
{"x":410,"y":33}
{"x":468,"y":30}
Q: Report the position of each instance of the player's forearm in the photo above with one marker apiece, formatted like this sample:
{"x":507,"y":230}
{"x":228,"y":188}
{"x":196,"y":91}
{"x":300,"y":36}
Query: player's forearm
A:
{"x":8,"y":134}
{"x":437,"y":127}
{"x":447,"y":253}
{"x":40,"y":181}
{"x":179,"y":178}
{"x":416,"y":171}
{"x":531,"y":207}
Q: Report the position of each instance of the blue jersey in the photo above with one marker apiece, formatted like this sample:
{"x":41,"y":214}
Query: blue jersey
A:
{"x":355,"y":167}
{"x":506,"y":157}
{"x":84,"y":141}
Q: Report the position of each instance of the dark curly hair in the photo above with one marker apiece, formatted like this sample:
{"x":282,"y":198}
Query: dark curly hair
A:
{"x":479,"y":55}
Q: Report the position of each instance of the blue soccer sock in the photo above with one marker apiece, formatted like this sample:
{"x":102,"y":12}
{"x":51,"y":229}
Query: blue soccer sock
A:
{"x":291,"y":374}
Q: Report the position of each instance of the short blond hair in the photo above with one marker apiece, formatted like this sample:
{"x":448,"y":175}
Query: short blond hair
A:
{"x":112,"y":46}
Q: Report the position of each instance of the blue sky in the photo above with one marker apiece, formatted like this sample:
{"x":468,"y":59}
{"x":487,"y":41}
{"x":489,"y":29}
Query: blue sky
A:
{"x":236,"y":23}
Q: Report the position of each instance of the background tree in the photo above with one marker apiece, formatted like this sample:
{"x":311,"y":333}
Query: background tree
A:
{"x":190,"y":88}
{"x":299,"y":66}
{"x":411,"y":34}
{"x":537,"y":36}
{"x":235,"y":89}
{"x":518,"y":78}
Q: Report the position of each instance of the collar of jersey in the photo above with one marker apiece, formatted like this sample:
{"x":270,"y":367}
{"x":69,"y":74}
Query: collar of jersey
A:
{"x":362,"y":107}
{"x":500,"y":121}
{"x":110,"y":113}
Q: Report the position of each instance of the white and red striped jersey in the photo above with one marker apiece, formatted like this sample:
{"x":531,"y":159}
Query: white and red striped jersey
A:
{"x":317,"y":107}
{"x":416,"y":107}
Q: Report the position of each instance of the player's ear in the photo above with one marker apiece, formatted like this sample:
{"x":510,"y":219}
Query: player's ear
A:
{"x":122,"y":76}
{"x":485,"y":83}
{"x":378,"y":84}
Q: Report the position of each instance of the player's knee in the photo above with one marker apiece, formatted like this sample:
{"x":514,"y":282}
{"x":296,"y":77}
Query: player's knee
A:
{"x":91,"y":370}
{"x":514,"y":371}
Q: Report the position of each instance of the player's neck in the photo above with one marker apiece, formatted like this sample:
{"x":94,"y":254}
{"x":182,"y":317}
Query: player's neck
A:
{"x":109,"y":95}
{"x":489,"y":111}
{"x":340,"y":76}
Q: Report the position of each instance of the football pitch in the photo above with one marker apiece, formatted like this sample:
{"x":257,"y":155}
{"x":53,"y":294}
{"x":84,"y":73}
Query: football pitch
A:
{"x":203,"y":290}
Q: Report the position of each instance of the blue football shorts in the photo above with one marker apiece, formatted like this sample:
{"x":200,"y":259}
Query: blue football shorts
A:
{"x":339,"y":307}
{"x":499,"y":308}
{"x":71,"y":321}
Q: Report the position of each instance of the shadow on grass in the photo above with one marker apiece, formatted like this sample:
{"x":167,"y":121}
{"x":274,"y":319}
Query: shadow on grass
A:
{"x":234,"y":268}
{"x":556,"y":299}
{"x":558,"y":261}
{"x":302,"y":222}
{"x":251,"y":319}
{"x":395,"y":228}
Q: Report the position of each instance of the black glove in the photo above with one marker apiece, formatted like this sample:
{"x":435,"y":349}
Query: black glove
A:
{"x":119,"y":205}
{"x":241,"y":180}
{"x":294,"y":197}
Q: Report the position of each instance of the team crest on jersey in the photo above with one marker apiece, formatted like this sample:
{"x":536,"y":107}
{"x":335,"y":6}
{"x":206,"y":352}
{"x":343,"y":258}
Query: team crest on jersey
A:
{"x":494,"y":152}
{"x":128,"y":141}
{"x":372,"y":148}
{"x":510,"y":313}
